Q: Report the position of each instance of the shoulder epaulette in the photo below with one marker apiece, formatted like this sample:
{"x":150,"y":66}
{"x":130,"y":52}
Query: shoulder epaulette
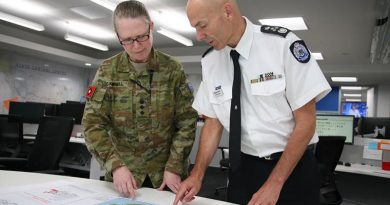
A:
{"x":278,"y":30}
{"x":207,"y":51}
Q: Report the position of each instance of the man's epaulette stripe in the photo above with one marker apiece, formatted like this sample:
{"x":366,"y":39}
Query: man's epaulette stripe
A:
{"x":277,"y":30}
{"x":207,"y":51}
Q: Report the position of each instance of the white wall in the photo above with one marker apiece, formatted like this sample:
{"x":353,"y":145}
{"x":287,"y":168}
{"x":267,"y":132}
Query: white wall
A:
{"x":383,"y":105}
{"x":24,"y":78}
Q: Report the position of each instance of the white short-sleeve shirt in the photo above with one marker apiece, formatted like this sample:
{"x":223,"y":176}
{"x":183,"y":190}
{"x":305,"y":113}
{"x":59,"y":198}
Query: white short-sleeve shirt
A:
{"x":274,"y":83}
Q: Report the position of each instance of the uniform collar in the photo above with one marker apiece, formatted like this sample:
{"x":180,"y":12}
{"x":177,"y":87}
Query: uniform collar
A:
{"x":245,"y":44}
{"x":125,"y":66}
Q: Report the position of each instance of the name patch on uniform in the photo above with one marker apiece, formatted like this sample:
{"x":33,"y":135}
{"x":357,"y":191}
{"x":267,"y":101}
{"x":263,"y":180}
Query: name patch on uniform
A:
{"x":218,"y":91}
{"x":115,"y":84}
{"x":300,"y":51}
{"x":90,"y":91}
{"x":266,"y":77}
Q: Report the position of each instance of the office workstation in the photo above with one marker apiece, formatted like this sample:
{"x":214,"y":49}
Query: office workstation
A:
{"x":360,"y":159}
{"x":44,"y":74}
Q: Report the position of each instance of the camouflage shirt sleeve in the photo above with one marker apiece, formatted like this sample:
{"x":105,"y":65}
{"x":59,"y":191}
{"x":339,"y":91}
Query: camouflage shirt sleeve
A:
{"x":97,"y":124}
{"x":185,"y":125}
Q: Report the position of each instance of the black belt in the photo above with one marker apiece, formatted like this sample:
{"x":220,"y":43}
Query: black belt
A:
{"x":276,"y":155}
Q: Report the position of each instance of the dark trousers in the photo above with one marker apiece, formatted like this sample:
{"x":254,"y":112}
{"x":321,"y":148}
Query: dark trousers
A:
{"x":301,"y":188}
{"x":148,"y":183}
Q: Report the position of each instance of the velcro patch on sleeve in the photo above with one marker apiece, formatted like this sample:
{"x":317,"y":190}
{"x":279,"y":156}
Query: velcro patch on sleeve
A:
{"x":90,"y":91}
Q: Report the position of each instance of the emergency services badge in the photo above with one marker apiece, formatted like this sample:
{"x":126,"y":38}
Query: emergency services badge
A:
{"x":300,"y":51}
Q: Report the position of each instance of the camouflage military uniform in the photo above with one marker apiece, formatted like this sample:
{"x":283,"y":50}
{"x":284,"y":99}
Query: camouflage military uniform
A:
{"x":143,"y":120}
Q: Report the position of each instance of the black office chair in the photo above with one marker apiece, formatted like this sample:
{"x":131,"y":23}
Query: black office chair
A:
{"x":224,"y":164}
{"x":11,"y":136}
{"x":52,"y":137}
{"x":328,"y":152}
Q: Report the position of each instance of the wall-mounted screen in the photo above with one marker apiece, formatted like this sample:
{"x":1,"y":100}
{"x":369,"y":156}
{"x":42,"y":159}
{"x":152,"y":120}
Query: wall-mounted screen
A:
{"x":30,"y":112}
{"x":357,"y":109}
{"x":335,"y":125}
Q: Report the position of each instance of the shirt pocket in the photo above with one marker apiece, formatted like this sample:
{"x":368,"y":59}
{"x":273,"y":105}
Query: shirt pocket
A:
{"x":270,"y":99}
{"x":122,"y":108}
{"x":221,"y":104}
{"x":269,"y":87}
{"x":166,"y":106}
{"x":97,"y":99}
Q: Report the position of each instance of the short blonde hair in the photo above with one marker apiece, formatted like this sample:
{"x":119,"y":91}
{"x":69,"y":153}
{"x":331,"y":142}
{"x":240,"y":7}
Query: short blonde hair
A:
{"x":131,"y":9}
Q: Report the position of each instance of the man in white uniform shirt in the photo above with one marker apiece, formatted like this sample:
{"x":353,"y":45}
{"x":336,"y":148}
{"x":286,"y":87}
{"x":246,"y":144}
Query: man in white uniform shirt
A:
{"x":280,"y":84}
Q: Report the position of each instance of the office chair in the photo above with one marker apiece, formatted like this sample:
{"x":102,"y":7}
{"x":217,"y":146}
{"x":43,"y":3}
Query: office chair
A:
{"x":224,"y":165}
{"x":11,"y":135}
{"x":327,"y":153}
{"x":52,"y":137}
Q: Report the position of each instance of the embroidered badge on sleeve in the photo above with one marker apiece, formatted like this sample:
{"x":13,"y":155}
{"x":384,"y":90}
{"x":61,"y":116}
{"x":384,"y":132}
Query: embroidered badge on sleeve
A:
{"x":90,"y":92}
{"x":300,"y":51}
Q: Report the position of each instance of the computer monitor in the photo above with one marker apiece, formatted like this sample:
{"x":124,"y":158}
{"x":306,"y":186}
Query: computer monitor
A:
{"x":369,"y":124}
{"x":335,"y":125}
{"x":50,"y":109}
{"x":30,"y":112}
{"x":75,"y":110}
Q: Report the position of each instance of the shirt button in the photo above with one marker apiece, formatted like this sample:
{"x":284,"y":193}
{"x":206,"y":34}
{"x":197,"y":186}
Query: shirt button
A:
{"x":142,"y":101}
{"x":142,"y":106}
{"x":142,"y":112}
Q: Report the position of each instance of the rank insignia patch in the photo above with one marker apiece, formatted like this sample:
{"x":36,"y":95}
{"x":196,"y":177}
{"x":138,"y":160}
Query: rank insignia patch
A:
{"x":281,"y":31}
{"x":90,"y":92}
{"x":300,"y":51}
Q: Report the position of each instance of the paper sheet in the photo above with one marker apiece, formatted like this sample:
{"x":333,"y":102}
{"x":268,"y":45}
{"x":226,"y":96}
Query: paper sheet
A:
{"x":59,"y":193}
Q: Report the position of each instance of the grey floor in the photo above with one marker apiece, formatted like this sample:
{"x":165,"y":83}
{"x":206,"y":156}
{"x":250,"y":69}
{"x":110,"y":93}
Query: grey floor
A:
{"x":355,"y":189}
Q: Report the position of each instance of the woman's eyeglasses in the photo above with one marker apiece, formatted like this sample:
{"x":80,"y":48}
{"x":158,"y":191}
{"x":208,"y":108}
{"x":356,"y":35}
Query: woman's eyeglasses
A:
{"x":139,"y":39}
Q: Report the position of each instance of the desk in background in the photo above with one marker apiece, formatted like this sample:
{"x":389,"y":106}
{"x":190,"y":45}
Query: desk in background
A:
{"x":364,"y":169}
{"x":76,"y":156}
{"x":12,"y":178}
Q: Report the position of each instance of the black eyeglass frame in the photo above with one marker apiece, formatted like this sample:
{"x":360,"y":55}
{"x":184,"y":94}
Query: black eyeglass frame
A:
{"x":139,"y":39}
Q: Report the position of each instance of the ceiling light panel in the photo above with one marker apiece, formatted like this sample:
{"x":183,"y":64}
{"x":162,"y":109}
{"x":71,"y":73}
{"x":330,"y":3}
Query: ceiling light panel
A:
{"x":175,"y":36}
{"x":353,"y":100}
{"x":106,"y":4}
{"x":85,"y":42}
{"x":293,"y":23}
{"x":351,"y":88}
{"x":90,"y":30}
{"x":91,"y":12}
{"x":344,"y":79}
{"x":21,"y":22}
{"x":172,"y":20}
{"x":317,"y":56}
{"x":27,"y":7}
{"x":352,"y":95}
